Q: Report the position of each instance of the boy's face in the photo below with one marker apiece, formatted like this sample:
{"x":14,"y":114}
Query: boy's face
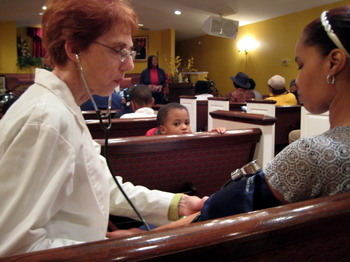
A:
{"x":178,"y":122}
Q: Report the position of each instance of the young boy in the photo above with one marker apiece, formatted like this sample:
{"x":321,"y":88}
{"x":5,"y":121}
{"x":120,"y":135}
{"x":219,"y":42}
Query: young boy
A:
{"x":173,"y":119}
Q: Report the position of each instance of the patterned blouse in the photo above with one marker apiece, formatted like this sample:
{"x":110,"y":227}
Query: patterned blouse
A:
{"x":241,"y":95}
{"x":312,"y":167}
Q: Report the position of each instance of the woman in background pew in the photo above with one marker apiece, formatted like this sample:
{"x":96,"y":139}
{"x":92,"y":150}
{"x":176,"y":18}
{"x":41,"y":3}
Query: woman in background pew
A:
{"x":310,"y":167}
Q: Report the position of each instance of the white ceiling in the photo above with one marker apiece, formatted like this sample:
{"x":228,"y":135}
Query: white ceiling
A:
{"x":158,"y":15}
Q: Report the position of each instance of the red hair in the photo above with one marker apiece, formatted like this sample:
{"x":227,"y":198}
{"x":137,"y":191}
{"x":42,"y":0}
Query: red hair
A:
{"x":81,"y":22}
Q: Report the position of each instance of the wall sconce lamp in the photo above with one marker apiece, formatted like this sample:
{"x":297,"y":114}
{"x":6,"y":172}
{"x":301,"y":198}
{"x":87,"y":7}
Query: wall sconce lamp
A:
{"x":246,"y":44}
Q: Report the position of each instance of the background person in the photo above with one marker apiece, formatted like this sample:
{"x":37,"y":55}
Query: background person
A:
{"x":56,"y":189}
{"x":257,"y":94}
{"x":279,"y":93}
{"x":102,"y":102}
{"x":293,"y":88}
{"x":141,"y":102}
{"x":242,"y":93}
{"x":155,"y":78}
{"x":204,"y":89}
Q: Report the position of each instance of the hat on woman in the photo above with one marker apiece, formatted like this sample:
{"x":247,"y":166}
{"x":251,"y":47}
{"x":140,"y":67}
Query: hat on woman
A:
{"x":241,"y":80}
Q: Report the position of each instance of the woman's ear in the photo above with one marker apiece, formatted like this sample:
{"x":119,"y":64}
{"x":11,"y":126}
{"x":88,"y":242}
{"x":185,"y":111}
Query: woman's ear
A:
{"x":133,"y":105}
{"x":162,"y":129}
{"x":71,"y":51}
{"x":337,"y":60}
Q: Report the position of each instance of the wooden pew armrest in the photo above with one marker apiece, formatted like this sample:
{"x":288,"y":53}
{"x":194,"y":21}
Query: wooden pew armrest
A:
{"x":249,"y":235}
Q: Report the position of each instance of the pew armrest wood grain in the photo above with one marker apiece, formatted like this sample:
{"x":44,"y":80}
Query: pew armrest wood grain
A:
{"x":313,"y":230}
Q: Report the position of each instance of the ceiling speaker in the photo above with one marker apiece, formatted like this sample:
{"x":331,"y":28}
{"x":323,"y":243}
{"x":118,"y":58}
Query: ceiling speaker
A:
{"x":222,"y":27}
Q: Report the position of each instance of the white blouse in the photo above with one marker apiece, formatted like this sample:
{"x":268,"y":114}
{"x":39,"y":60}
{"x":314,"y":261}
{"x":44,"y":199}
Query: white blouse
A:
{"x":55,"y":187}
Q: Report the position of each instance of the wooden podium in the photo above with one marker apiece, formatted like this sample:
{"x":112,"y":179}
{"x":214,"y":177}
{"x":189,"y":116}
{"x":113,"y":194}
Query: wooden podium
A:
{"x":180,"y":89}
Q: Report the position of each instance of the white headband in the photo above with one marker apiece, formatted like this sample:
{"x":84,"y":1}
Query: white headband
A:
{"x":330,"y":32}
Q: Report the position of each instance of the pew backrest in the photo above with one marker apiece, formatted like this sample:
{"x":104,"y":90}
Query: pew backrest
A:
{"x":91,"y":114}
{"x":287,"y":119}
{"x":261,"y":106}
{"x":122,"y":127}
{"x":312,"y":124}
{"x":197,"y":163}
{"x":202,"y":115}
{"x":312,"y":230}
{"x":190,"y":102}
{"x":233,"y":120}
{"x":216,"y":103}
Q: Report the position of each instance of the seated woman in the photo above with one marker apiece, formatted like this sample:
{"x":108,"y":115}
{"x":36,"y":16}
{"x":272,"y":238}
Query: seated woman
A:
{"x":310,"y":167}
{"x":279,"y":92}
{"x":243,"y":85}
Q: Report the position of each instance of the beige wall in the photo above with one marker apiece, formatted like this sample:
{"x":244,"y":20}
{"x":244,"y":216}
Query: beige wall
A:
{"x":160,"y":44}
{"x":8,"y":47}
{"x":218,"y":56}
{"x":277,"y":37}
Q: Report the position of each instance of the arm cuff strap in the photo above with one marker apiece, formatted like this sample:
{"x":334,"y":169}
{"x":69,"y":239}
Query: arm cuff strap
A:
{"x":173,"y":213}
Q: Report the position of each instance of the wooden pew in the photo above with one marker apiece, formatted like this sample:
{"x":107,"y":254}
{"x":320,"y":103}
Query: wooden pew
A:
{"x":204,"y":107}
{"x":214,"y":104}
{"x":313,"y":230}
{"x":287,"y":119}
{"x":233,"y":120}
{"x":237,"y":106}
{"x":122,"y":127}
{"x":312,"y":124}
{"x":175,"y":163}
{"x":202,"y":115}
{"x":261,"y":106}
{"x":91,"y":114}
{"x":190,"y":102}
{"x":203,"y":111}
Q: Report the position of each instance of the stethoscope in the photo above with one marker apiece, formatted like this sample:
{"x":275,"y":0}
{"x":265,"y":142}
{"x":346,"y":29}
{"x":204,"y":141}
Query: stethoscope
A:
{"x":106,"y":127}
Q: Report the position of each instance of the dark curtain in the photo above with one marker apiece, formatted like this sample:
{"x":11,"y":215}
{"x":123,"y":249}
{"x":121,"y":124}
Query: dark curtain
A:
{"x":36,"y":34}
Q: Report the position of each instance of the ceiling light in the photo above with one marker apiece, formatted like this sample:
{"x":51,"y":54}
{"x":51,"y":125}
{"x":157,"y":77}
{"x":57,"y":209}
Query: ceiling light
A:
{"x":140,"y":25}
{"x":177,"y":12}
{"x":41,"y":13}
{"x":44,"y":7}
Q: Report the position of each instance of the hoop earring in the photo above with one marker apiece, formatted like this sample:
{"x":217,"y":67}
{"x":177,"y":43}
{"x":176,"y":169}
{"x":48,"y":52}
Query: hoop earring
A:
{"x":331,"y":79}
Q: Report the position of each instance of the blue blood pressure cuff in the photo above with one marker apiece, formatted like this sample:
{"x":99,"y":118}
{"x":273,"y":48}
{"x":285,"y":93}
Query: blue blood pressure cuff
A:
{"x":248,"y":193}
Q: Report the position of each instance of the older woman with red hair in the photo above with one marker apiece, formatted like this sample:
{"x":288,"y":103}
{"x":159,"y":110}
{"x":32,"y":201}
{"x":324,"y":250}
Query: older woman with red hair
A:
{"x":56,"y":188}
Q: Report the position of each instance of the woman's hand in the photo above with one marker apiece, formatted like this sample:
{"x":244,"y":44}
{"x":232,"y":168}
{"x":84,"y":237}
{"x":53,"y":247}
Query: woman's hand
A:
{"x":155,"y":88}
{"x":189,"y":205}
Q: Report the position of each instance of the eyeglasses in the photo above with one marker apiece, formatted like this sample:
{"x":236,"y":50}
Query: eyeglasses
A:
{"x":123,"y":53}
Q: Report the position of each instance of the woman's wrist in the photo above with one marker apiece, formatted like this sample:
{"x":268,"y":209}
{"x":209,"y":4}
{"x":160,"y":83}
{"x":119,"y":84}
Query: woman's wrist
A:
{"x":174,"y":213}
